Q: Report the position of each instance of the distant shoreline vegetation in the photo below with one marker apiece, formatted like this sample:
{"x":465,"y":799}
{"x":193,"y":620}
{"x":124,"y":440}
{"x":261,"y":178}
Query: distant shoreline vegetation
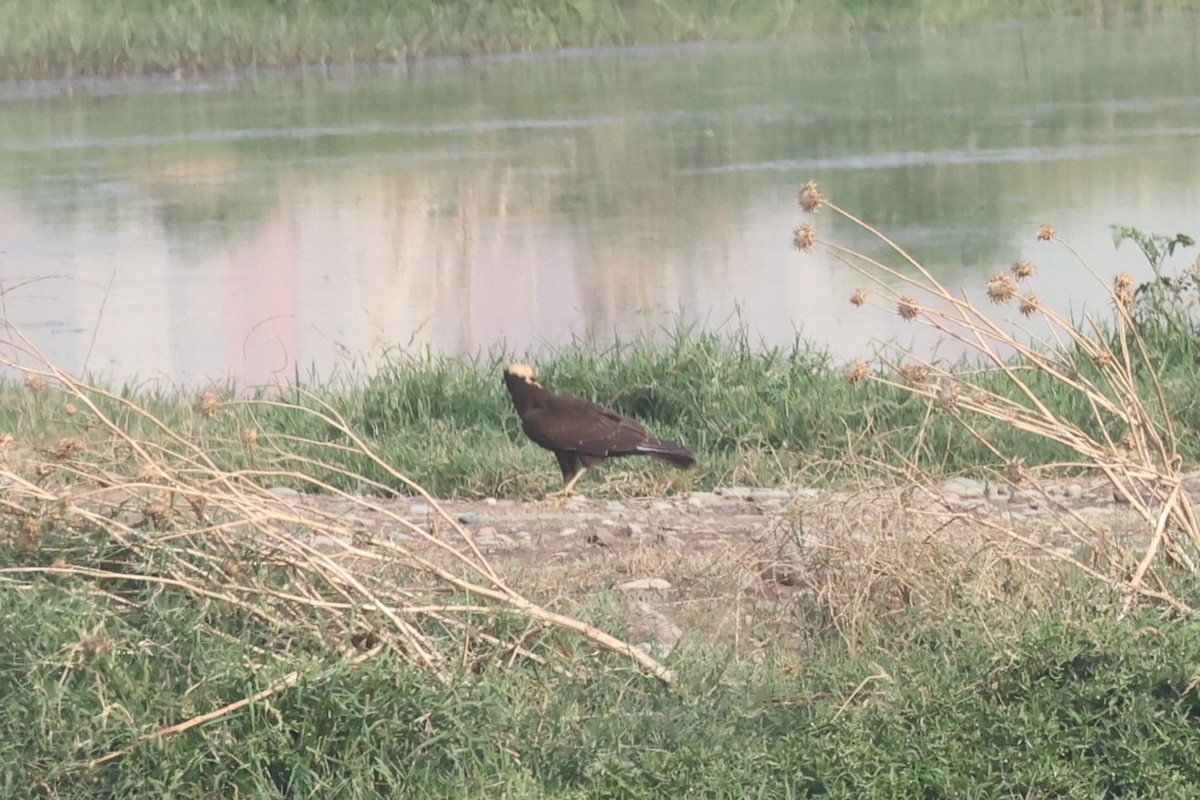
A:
{"x":71,"y":38}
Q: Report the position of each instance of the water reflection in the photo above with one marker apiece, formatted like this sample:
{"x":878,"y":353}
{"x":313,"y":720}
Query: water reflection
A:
{"x":261,"y":224}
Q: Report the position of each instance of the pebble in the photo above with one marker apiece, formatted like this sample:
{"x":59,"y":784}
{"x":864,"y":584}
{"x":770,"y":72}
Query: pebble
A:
{"x":964,"y":488}
{"x":419,"y":509}
{"x":663,"y":632}
{"x":1074,"y":491}
{"x":644,"y":585}
{"x":283,"y":491}
{"x":998,"y":493}
{"x":565,"y":532}
{"x":602,"y":537}
{"x":491,"y":501}
{"x":614,"y":507}
{"x":662,"y":505}
{"x":325,"y":543}
{"x":670,"y":540}
{"x":701,"y":499}
{"x":468,"y":518}
{"x":633,"y":531}
{"x":754,"y":493}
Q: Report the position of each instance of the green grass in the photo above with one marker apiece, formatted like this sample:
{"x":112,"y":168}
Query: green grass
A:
{"x":753,"y":415}
{"x":97,"y":37}
{"x":995,"y":703}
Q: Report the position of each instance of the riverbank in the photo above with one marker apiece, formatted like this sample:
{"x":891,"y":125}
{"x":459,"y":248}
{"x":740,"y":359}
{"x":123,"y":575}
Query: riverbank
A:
{"x":231,"y":592}
{"x":214,"y":593}
{"x":96,"y":38}
{"x":850,"y":644}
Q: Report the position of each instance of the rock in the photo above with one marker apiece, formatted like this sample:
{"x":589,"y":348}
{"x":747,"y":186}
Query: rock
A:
{"x":644,"y":585}
{"x":355,"y":521}
{"x":963,"y":488}
{"x":752,"y":493}
{"x":602,"y":537}
{"x":670,"y":540}
{"x":523,"y":536}
{"x":633,"y":531}
{"x":565,"y":532}
{"x":486,"y":532}
{"x":284,"y":491}
{"x":614,"y":507}
{"x":779,"y":572}
{"x":420,"y":509}
{"x":468,"y":518}
{"x":661,"y":505}
{"x":491,"y":501}
{"x":1074,"y":491}
{"x":701,"y":499}
{"x":648,"y":621}
{"x":325,"y":543}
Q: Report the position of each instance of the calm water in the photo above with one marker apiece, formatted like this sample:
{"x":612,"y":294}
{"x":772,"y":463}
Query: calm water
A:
{"x":251,"y":225}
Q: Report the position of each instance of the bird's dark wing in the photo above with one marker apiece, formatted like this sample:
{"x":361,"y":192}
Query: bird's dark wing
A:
{"x":564,"y":422}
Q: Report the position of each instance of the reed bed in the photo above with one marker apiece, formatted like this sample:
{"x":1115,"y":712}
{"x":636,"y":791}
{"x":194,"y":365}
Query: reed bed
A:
{"x":128,"y":508}
{"x":1128,"y":436}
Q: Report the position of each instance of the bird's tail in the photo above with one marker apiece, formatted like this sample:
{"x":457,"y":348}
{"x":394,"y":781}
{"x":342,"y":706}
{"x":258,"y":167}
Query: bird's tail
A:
{"x":670,"y":452}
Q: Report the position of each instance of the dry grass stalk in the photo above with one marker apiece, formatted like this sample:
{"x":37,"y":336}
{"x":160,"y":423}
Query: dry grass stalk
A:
{"x":1135,"y":447}
{"x":181,"y":521}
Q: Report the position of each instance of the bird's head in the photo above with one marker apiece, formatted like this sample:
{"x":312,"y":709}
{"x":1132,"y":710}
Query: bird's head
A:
{"x":521,"y":371}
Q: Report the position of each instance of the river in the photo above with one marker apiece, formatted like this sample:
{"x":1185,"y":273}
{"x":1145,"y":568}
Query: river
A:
{"x":268,"y":224}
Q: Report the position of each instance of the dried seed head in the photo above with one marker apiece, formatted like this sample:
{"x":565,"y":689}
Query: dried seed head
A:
{"x":1123,"y":290}
{"x":249,"y":436}
{"x":907,"y":307}
{"x":1103,"y":359}
{"x":981,"y":397}
{"x":35,"y":383}
{"x":6,"y":439}
{"x":858,"y":297}
{"x":43,"y":470}
{"x":914,"y":373}
{"x":1023,"y":268}
{"x":1000,"y":288}
{"x":70,"y":410}
{"x":803,"y":237}
{"x":1014,"y":470}
{"x":94,"y":642}
{"x":59,"y":563}
{"x":1046,"y":232}
{"x":28,"y":535}
{"x":232,"y":568}
{"x":208,"y":404}
{"x":198,"y":502}
{"x":149,"y":473}
{"x":158,"y":510}
{"x":857,"y":372}
{"x":65,"y":447}
{"x":810,"y":197}
{"x":1029,"y":303}
{"x":66,"y":499}
{"x":946,"y":396}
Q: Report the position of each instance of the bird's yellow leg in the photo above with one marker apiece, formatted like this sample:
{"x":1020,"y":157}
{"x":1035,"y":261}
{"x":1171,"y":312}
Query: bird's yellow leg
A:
{"x":565,"y":492}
